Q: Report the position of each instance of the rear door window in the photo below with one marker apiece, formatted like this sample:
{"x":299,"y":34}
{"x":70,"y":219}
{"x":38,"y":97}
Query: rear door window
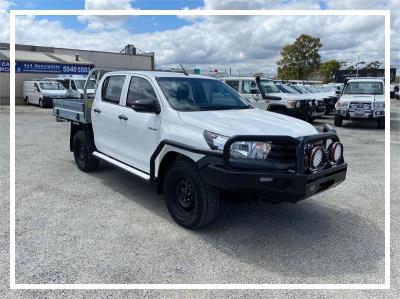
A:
{"x":112,"y":89}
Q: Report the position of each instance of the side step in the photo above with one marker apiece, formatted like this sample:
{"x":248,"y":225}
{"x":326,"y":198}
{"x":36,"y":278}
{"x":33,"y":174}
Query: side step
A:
{"x":123,"y":166}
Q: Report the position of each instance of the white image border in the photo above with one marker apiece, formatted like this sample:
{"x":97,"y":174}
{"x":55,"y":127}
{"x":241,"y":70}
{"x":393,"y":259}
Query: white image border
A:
{"x":14,"y":13}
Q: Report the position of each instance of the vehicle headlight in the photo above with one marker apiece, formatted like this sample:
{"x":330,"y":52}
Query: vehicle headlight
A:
{"x":291,"y":103}
{"x":215,"y":141}
{"x":335,"y":152}
{"x":317,"y":157}
{"x":339,"y":105}
{"x":250,"y":150}
{"x":379,"y":105}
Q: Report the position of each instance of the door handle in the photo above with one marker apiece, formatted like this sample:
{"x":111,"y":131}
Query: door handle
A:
{"x":122,"y":116}
{"x":97,"y":110}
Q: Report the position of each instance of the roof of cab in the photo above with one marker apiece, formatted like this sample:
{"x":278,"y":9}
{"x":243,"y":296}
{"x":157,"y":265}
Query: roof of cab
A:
{"x":158,"y":74}
{"x":366,"y":80}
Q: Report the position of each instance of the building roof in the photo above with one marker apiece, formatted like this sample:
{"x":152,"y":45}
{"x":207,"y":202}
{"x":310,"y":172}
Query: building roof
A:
{"x":43,"y":57}
{"x":159,"y":74}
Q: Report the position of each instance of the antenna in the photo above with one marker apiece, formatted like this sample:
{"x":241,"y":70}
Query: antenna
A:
{"x":184,"y":71}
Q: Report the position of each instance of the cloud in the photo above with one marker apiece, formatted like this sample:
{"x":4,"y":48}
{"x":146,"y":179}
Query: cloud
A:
{"x":247,"y":43}
{"x":4,"y":15}
{"x":97,"y":23}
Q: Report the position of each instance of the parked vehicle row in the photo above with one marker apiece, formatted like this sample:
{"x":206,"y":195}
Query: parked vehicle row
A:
{"x":193,"y":136}
{"x":306,"y":102}
{"x":42,"y":92}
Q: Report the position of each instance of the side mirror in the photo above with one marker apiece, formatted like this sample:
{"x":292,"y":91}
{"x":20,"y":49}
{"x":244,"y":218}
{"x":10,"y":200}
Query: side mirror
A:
{"x":146,"y":105}
{"x":36,"y":89}
{"x":254,"y":91}
{"x":338,"y":92}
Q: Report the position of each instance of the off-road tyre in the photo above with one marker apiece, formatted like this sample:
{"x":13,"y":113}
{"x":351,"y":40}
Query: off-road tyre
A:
{"x":191,"y":202}
{"x":82,"y":149}
{"x":338,"y":121}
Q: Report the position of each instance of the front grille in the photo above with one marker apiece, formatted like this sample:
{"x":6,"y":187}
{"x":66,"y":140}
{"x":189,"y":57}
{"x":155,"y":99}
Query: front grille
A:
{"x":284,"y":151}
{"x":360,"y":105}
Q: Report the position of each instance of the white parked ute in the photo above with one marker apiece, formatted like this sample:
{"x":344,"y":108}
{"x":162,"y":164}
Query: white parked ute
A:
{"x":263,"y":93}
{"x":193,"y":136}
{"x":362,"y":99}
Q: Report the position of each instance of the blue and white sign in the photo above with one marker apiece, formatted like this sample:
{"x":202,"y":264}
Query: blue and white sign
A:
{"x":4,"y":66}
{"x":47,"y":68}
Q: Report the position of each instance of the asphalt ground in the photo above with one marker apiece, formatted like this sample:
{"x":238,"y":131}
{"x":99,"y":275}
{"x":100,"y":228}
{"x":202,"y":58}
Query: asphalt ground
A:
{"x":109,"y":227}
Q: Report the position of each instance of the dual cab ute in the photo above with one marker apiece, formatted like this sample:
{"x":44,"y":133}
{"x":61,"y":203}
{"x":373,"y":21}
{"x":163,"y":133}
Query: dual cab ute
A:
{"x":193,"y":136}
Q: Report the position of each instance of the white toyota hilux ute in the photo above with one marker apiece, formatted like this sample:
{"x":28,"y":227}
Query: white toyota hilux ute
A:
{"x":194,"y":136}
{"x":362,"y":99}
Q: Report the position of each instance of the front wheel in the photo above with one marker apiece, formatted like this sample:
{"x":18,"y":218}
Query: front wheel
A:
{"x":338,"y":122}
{"x":191,"y":202}
{"x":82,"y":152}
{"x":41,"y":103}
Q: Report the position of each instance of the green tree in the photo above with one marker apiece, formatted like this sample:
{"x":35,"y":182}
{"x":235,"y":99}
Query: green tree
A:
{"x":300,"y":59}
{"x":328,"y":69}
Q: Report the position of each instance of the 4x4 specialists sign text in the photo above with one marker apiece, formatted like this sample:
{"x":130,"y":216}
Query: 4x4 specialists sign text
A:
{"x":47,"y":68}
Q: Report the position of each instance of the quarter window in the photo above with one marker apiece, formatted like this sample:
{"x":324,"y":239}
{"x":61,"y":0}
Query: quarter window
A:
{"x":233,"y":84}
{"x":112,"y":88}
{"x":247,"y":86}
{"x":140,"y":89}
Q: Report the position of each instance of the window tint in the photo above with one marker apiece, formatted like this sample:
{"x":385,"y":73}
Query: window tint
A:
{"x":112,"y":88}
{"x":140,"y":89}
{"x":233,"y":84}
{"x":65,"y":83}
{"x":247,"y":86}
{"x":36,"y":87}
{"x":73,"y":86}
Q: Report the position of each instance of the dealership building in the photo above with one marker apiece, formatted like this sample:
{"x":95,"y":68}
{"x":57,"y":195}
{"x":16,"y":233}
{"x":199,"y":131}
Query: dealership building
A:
{"x":36,"y":62}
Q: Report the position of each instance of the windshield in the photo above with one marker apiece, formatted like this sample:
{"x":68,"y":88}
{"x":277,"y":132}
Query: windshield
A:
{"x":269,"y":86}
{"x":311,"y":89}
{"x":80,"y":84}
{"x":197,"y":94}
{"x":364,"y":88}
{"x":290,"y":89}
{"x":301,"y":89}
{"x":51,"y":86}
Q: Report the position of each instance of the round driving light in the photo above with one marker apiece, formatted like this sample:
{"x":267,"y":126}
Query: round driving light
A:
{"x":335,"y":152}
{"x":316,"y":158}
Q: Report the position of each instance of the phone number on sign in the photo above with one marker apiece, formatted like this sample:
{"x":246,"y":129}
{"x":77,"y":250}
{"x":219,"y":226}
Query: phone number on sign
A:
{"x":76,"y":69}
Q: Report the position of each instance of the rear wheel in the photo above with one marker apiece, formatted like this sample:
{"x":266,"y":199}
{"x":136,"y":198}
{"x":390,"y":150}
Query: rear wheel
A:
{"x":338,"y":122}
{"x":381,"y":123}
{"x":191,"y":202}
{"x":82,"y":152}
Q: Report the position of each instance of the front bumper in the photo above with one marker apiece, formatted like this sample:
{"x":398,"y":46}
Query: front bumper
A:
{"x":276,"y":184}
{"x":365,"y":114}
{"x":47,"y":102}
{"x":307,"y":110}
